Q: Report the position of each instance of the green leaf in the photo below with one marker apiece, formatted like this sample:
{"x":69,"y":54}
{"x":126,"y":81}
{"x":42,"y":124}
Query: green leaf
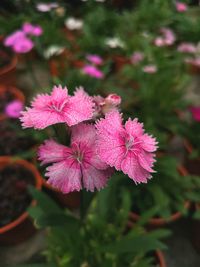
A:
{"x":44,"y":201}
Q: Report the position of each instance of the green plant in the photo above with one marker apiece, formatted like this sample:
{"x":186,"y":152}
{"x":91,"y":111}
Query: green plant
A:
{"x":167,"y":192}
{"x":98,"y":236}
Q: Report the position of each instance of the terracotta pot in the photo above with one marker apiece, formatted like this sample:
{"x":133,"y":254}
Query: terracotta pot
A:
{"x":120,"y":62}
{"x":192,"y":165}
{"x":78,"y":64}
{"x":21,"y":228}
{"x":8,"y":72}
{"x":158,"y":222}
{"x":71,"y":200}
{"x":160,"y":258}
{"x":17,"y":95}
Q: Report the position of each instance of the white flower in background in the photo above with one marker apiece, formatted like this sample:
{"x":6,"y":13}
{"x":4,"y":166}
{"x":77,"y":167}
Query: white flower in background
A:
{"x":46,"y":7}
{"x":73,"y":23}
{"x":114,"y":42}
{"x":53,"y":50}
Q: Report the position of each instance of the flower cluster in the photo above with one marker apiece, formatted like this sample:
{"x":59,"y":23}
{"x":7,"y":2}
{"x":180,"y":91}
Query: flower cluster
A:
{"x":166,"y":38}
{"x":20,"y":40}
{"x":99,"y":142}
{"x":92,"y":69}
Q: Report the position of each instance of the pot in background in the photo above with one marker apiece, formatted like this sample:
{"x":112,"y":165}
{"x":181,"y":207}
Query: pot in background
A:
{"x":8,"y":72}
{"x":22,"y":227}
{"x":157,"y":222}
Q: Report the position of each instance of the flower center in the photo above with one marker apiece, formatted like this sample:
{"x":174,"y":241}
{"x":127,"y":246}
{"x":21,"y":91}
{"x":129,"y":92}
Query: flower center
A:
{"x":129,"y":143}
{"x":57,"y":106}
{"x":78,"y":156}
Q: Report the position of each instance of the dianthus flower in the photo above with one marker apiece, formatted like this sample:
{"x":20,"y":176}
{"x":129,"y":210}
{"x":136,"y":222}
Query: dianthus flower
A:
{"x":31,"y":29}
{"x":93,"y":71}
{"x":126,"y":147}
{"x":23,"y":45}
{"x":13,"y":38}
{"x":95,"y":59}
{"x":137,"y":57}
{"x":58,"y":107}
{"x":14,"y":108}
{"x":150,"y":69}
{"x":181,"y":7}
{"x":187,"y":48}
{"x":195,"y":113}
{"x":78,"y":166}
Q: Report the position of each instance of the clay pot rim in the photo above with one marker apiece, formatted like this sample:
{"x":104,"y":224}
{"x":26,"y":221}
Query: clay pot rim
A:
{"x":10,"y":65}
{"x":174,"y":217}
{"x":7,"y":160}
{"x":161,"y":258}
{"x":17,"y":93}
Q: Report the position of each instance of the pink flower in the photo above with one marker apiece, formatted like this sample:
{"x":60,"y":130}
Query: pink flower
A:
{"x":92,"y":71}
{"x":13,"y":38}
{"x":195,"y":113}
{"x":13,"y":109}
{"x":181,"y":7}
{"x":37,"y":31}
{"x":78,"y":166}
{"x":58,"y":107}
{"x":127,"y":148}
{"x":23,"y":45}
{"x":31,"y":29}
{"x":159,"y":41}
{"x":105,"y":105}
{"x":187,"y":48}
{"x":150,"y":69}
{"x":95,"y":59}
{"x":137,"y":57}
{"x":168,"y":38}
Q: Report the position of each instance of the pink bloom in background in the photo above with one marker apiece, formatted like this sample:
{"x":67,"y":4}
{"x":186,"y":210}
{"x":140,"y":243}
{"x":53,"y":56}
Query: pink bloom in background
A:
{"x":23,"y":45}
{"x":168,"y":38}
{"x":37,"y":31}
{"x":58,"y":107}
{"x":46,"y":7}
{"x":19,"y":41}
{"x":137,"y":57}
{"x":13,"y":38}
{"x":159,"y":41}
{"x":105,"y":105}
{"x":95,"y":59}
{"x":168,"y":35}
{"x":31,"y":29}
{"x":14,"y":108}
{"x":93,"y":71}
{"x":150,"y":69}
{"x":126,"y":147}
{"x":78,"y":166}
{"x":181,"y":7}
{"x":195,"y":113}
{"x":187,"y":48}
